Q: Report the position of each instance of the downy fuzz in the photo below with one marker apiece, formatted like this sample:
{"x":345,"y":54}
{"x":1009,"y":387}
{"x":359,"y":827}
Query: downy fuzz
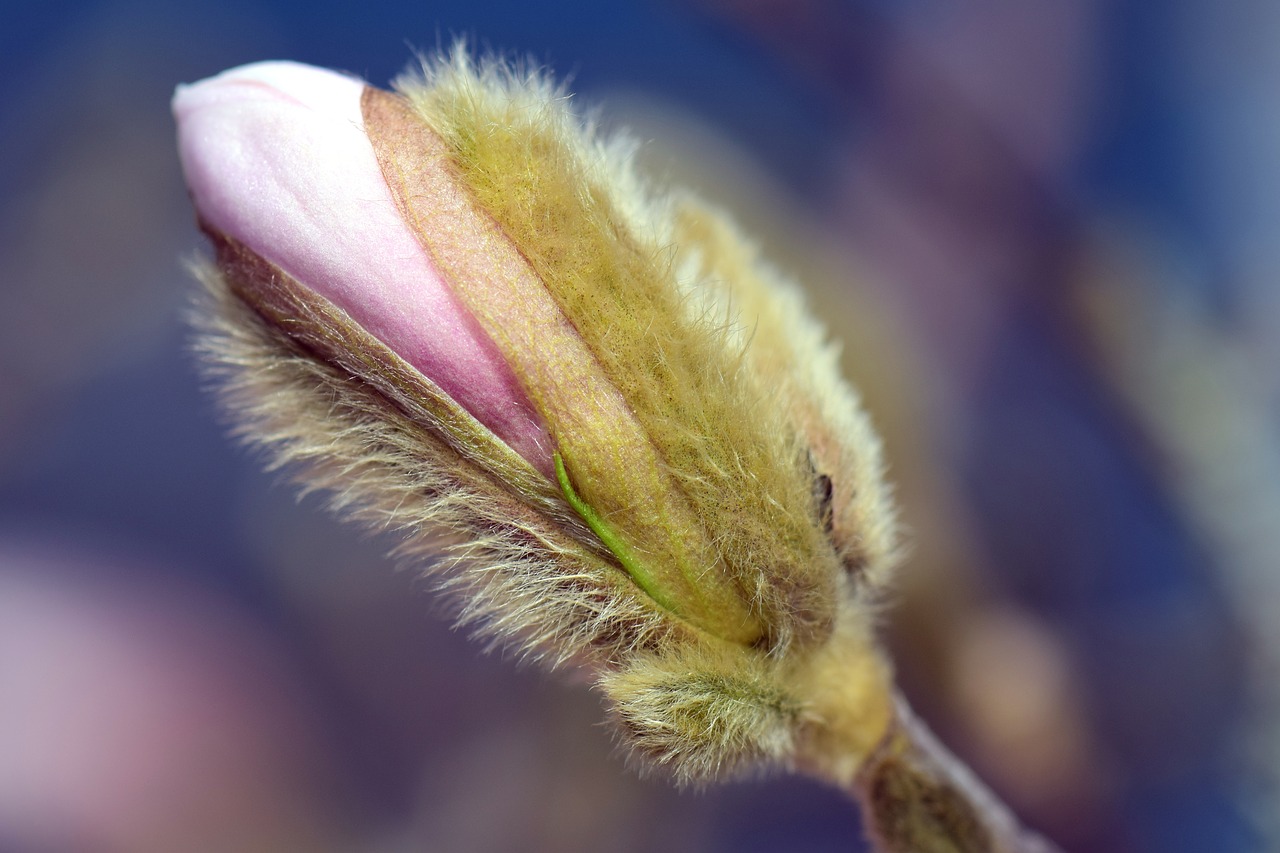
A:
{"x":608,"y":425}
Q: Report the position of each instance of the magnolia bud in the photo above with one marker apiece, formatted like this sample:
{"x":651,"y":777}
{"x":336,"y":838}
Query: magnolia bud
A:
{"x":277,"y":161}
{"x":460,"y":312}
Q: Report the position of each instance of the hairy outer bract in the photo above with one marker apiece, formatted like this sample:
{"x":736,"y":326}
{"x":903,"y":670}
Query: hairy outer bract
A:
{"x":720,"y":528}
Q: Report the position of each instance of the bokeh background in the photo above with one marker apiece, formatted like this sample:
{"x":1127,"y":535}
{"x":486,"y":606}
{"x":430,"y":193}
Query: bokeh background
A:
{"x":1047,"y":233}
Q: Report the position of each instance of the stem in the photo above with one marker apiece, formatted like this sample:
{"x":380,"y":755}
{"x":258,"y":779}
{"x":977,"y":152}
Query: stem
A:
{"x":916,"y":797}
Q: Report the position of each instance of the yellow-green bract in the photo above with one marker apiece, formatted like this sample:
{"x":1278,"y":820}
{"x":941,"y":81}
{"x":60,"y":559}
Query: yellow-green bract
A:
{"x":708,"y":529}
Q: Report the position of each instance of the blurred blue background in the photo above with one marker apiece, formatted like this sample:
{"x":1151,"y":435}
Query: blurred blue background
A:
{"x":1047,"y":234}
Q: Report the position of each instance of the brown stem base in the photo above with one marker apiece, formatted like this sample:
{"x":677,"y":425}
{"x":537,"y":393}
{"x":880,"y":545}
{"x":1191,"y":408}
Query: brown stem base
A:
{"x":916,"y":797}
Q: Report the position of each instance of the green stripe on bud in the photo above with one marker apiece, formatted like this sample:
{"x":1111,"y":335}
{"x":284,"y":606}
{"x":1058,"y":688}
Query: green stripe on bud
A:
{"x":616,"y":544}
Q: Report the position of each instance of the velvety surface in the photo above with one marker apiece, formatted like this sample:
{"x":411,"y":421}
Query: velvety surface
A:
{"x":1005,"y":171}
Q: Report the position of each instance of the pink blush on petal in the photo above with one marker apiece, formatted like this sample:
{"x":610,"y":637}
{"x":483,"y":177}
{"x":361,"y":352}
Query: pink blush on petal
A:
{"x":276,"y":156}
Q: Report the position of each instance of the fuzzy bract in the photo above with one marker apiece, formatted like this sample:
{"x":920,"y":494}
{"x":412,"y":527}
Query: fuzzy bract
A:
{"x":611,"y":426}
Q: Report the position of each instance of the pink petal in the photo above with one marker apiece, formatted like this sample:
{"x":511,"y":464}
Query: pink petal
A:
{"x":275,"y":155}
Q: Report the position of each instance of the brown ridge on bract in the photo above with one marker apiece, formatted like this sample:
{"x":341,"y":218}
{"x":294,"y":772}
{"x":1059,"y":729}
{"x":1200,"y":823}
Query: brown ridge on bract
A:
{"x":613,"y":461}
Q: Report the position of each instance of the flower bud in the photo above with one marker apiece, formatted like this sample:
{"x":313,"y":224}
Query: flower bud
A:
{"x":459,"y":311}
